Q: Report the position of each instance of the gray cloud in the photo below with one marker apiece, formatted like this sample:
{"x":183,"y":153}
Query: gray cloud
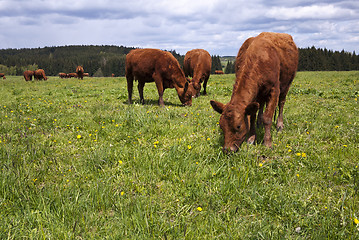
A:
{"x":218,"y":26}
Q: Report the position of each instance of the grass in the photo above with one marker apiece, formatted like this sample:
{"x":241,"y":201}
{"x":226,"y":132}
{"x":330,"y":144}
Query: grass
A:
{"x":77,"y":162}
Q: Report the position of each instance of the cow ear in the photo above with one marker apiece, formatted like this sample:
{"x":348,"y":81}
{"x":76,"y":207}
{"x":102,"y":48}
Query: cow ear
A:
{"x":217,"y":106}
{"x":252,"y":108}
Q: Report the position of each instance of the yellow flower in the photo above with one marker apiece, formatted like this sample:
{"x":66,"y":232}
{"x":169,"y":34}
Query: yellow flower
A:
{"x":304,"y":155}
{"x":298,"y":154}
{"x":199,"y":209}
{"x":120,"y":162}
{"x":78,"y":136}
{"x":260,"y":164}
{"x":122,"y":193}
{"x":189,"y":147}
{"x":356,"y":221}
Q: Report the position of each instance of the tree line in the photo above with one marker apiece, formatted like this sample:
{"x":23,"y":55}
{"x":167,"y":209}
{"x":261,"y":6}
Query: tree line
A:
{"x":107,"y":60}
{"x":318,"y":59}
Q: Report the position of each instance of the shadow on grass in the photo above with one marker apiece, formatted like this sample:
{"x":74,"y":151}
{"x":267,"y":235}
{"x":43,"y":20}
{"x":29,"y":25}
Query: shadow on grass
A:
{"x":155,"y":103}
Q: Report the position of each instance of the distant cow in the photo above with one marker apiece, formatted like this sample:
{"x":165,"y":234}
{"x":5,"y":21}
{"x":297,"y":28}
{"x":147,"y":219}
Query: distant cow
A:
{"x":197,"y":64}
{"x":2,"y":76}
{"x":39,"y":74}
{"x":80,"y":72}
{"x":86,"y":74}
{"x":28,"y":75}
{"x":218,"y":72}
{"x":112,"y":75}
{"x":265,"y":68}
{"x":62,"y":75}
{"x":161,"y":67}
{"x":71,"y":75}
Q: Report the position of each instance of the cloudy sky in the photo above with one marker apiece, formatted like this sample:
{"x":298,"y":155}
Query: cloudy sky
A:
{"x":219,"y":26}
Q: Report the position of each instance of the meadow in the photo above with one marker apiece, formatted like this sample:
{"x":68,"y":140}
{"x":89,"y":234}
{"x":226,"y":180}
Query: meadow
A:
{"x":78,"y":162}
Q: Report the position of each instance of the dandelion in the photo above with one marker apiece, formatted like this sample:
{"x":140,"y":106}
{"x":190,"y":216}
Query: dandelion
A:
{"x":298,"y":154}
{"x":260,"y":164}
{"x":208,"y":139}
{"x":297,"y":175}
{"x":356,"y":221}
{"x":78,"y":136}
{"x":122,"y":193}
{"x":199,"y":209}
{"x":304,"y":155}
{"x":189,"y":147}
{"x":120,"y":162}
{"x":35,"y":179}
{"x":345,"y":145}
{"x":289,"y":150}
{"x":197,"y":163}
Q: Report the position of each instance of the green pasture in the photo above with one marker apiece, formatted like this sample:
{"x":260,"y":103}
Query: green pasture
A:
{"x":78,"y":162}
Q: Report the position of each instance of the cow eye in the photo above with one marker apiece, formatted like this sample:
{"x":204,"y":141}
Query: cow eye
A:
{"x":238,"y":127}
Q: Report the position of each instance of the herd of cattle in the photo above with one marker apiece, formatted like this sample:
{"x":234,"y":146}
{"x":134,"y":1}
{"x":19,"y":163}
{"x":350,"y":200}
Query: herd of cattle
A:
{"x":39,"y":74}
{"x":265,"y":68}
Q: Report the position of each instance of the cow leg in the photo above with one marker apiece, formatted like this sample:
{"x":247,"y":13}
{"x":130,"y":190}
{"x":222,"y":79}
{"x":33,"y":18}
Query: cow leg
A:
{"x":140,"y":87}
{"x":252,"y":130}
{"x":282,"y":98}
{"x":205,"y":86}
{"x":160,"y":89}
{"x":271,"y":105}
{"x":260,"y":114}
{"x":129,"y":87}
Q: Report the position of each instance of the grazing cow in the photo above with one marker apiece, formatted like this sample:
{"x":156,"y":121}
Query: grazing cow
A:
{"x":28,"y":75}
{"x":161,"y":67}
{"x":112,"y":75}
{"x":265,"y":68}
{"x":218,"y":72}
{"x":71,"y":75}
{"x":62,"y":75}
{"x":2,"y":76}
{"x":39,"y":74}
{"x":197,"y":64}
{"x":80,"y":72}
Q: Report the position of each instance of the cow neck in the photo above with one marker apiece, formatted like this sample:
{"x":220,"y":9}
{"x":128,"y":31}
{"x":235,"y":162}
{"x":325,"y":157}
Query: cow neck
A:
{"x":245,"y":90}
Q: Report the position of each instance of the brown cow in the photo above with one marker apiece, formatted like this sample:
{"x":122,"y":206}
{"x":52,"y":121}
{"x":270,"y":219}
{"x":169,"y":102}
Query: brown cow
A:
{"x":28,"y":75}
{"x":2,"y":75}
{"x":218,"y":72}
{"x":62,"y":75}
{"x":71,"y":75}
{"x":86,"y":74}
{"x":161,"y":67}
{"x":80,"y":72}
{"x":39,"y":74}
{"x":265,"y":68}
{"x":197,"y":64}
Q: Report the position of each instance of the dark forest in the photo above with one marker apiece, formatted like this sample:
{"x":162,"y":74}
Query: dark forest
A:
{"x":107,"y":60}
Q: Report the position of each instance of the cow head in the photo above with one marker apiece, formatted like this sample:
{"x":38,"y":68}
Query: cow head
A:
{"x":196,"y":89}
{"x":186,"y":95}
{"x":235,"y":122}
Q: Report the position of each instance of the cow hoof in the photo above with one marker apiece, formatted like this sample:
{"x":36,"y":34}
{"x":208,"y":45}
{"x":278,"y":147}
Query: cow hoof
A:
{"x":251,"y":139}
